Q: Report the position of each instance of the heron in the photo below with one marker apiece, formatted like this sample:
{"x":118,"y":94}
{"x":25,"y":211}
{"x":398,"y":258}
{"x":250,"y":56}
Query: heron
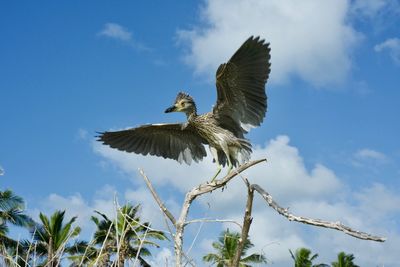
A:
{"x":241,"y":105}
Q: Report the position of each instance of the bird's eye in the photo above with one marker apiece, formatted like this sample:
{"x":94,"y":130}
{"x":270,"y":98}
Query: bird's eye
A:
{"x":183,"y":104}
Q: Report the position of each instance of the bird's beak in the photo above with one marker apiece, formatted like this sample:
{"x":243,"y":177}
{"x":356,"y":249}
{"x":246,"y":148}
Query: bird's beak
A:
{"x":170,"y":109}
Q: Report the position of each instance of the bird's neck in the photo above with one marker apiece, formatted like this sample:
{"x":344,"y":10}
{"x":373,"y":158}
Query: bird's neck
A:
{"x":191,"y":113}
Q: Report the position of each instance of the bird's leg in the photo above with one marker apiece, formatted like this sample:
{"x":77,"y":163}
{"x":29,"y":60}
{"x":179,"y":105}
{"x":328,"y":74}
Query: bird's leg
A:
{"x":218,"y":171}
{"x":230,"y":166}
{"x":233,"y":156}
{"x":214,"y":153}
{"x":228,"y":158}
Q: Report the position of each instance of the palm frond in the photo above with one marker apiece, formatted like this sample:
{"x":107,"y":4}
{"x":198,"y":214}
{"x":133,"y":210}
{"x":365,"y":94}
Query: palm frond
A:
{"x":254,"y":258}
{"x":8,"y":200}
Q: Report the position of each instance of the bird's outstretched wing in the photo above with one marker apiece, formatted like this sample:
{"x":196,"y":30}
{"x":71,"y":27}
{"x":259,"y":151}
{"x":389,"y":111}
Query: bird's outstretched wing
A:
{"x":173,"y":141}
{"x":241,"y":98}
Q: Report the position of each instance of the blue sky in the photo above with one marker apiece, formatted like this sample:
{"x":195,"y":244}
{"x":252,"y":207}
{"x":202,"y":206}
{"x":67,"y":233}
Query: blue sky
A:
{"x":69,"y":69}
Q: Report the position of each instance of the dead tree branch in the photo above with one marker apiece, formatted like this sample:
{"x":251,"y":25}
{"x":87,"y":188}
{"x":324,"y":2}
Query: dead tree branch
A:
{"x":157,"y":198}
{"x":192,"y":195}
{"x":189,"y":197}
{"x":207,"y":187}
{"x":316,"y":222}
{"x":204,"y":220}
{"x":247,"y":219}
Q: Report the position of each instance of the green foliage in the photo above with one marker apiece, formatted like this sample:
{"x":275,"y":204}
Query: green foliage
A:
{"x":115,"y":241}
{"x":84,"y":253}
{"x":122,"y":238}
{"x":51,"y":237}
{"x":226,"y":248}
{"x":344,"y":260}
{"x":303,"y":258}
{"x":12,"y":212}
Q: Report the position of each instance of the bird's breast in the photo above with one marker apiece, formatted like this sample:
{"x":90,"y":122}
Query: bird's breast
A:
{"x":215,"y":135}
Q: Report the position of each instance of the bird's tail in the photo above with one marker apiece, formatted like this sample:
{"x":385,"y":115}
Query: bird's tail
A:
{"x":238,"y":155}
{"x":244,"y":152}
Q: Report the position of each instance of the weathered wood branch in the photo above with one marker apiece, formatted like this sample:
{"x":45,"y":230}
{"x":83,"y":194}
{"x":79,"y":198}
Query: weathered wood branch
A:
{"x":316,"y":222}
{"x":208,"y":187}
{"x":157,"y":198}
{"x":164,"y":209}
{"x":192,"y":195}
{"x":247,"y":219}
{"x":189,"y":197}
{"x":208,"y":220}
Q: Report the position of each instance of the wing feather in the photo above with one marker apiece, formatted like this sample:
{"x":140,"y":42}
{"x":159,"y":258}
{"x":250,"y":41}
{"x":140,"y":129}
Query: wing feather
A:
{"x":240,"y":82}
{"x":171,"y":141}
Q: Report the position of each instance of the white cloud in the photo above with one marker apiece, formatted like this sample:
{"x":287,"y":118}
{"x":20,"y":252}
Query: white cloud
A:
{"x":310,"y":39}
{"x":374,"y":8}
{"x":82,"y":134}
{"x":367,"y":156}
{"x":372,"y":212}
{"x":167,"y":171}
{"x":377,"y":219}
{"x":369,"y":7}
{"x":76,"y":205}
{"x":150,"y":211}
{"x":120,"y":33}
{"x":1,"y":171}
{"x":285,"y":170}
{"x":162,"y":258}
{"x":392,"y":46}
{"x":316,"y":192}
{"x":116,"y":31}
{"x":379,"y":201}
{"x":106,"y":200}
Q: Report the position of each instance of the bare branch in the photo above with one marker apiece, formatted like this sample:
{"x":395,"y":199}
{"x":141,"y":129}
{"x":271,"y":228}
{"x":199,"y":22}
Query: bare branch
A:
{"x":247,"y":219}
{"x":213,"y":220}
{"x":192,"y":195}
{"x":316,"y":222}
{"x":209,"y":187}
{"x":167,"y":224}
{"x":157,"y":198}
{"x":194,"y":239}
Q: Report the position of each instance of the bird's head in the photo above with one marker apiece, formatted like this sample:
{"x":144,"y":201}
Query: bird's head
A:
{"x":183,"y":103}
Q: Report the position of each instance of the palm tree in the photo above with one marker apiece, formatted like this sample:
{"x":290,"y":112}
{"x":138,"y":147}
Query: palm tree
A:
{"x":83,"y":253}
{"x":344,"y":260}
{"x":125,"y":237}
{"x":52,"y":236}
{"x":303,"y":258}
{"x":12,"y":212}
{"x":226,"y":248}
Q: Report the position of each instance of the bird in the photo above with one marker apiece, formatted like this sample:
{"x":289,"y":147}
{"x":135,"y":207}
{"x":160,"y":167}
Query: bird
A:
{"x":241,"y":105}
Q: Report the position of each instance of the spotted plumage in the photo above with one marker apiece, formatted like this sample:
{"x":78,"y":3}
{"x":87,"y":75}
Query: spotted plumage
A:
{"x":241,"y":104}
